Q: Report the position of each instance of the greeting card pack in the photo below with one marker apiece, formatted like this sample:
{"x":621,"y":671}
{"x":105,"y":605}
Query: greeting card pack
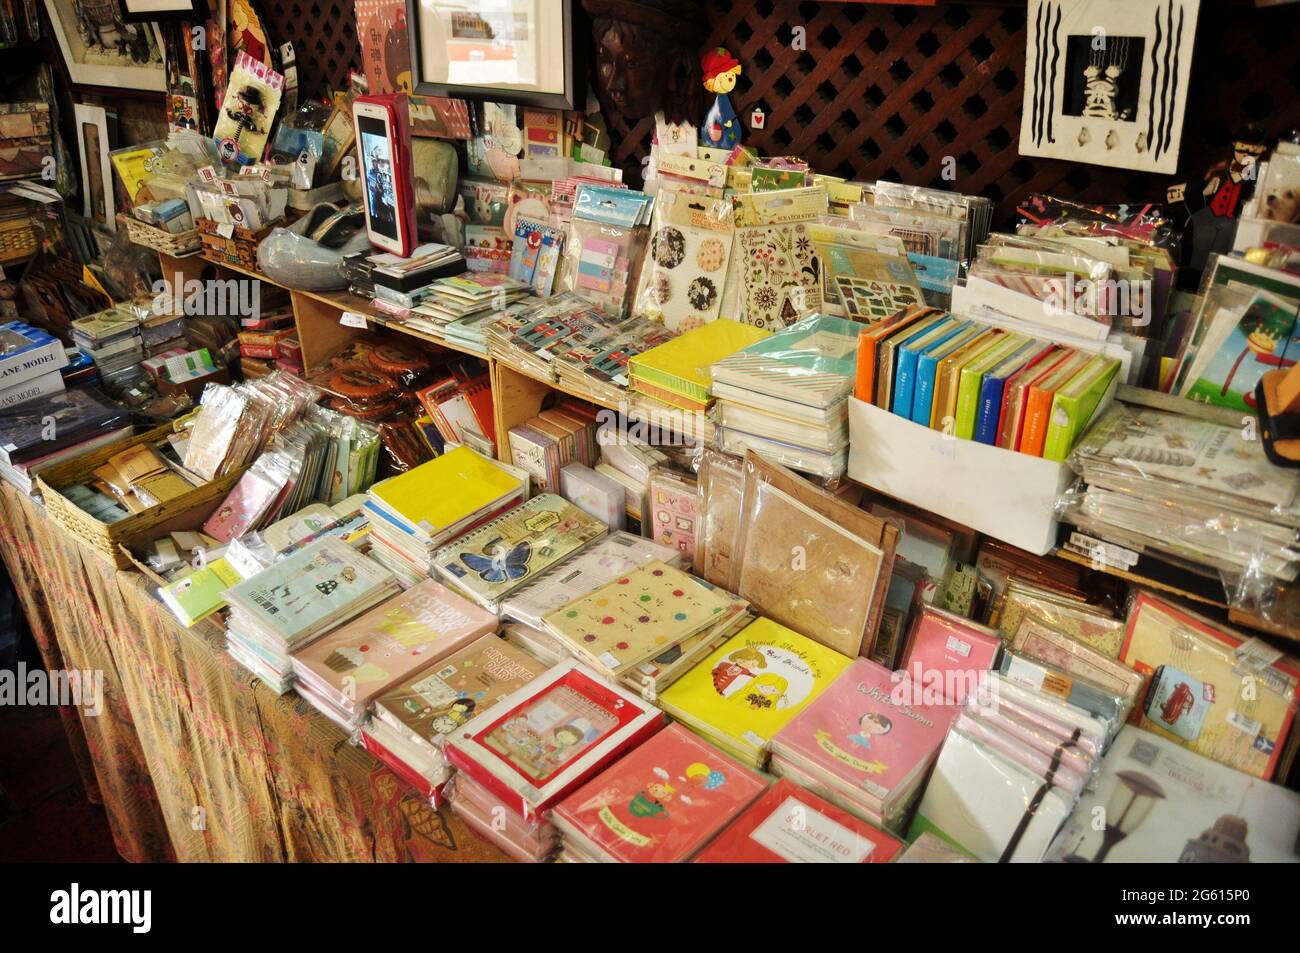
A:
{"x":789,"y":825}
{"x":659,"y":804}
{"x":673,"y":512}
{"x":535,"y":746}
{"x":1220,"y":695}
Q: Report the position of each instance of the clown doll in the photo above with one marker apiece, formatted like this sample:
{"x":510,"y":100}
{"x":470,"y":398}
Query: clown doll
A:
{"x":721,"y":129}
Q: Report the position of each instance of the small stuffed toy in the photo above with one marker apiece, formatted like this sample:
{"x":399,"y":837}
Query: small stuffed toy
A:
{"x":721,"y":129}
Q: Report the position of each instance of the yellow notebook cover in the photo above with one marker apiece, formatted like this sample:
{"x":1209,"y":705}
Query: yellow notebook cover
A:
{"x":637,"y":616}
{"x":445,"y":490}
{"x":754,"y":684}
{"x":683,"y":363}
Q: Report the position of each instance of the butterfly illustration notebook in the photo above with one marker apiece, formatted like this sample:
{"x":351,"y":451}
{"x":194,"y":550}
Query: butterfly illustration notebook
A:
{"x":408,"y":633}
{"x":636,"y":616}
{"x":659,"y":804}
{"x":594,"y":566}
{"x":855,"y":734}
{"x":502,"y":555}
{"x":541,"y":742}
{"x":432,"y":704}
{"x":789,"y":825}
{"x":753,"y":686}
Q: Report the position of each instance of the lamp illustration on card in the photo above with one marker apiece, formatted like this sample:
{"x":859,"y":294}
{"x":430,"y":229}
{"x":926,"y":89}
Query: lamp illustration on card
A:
{"x":1129,"y":805}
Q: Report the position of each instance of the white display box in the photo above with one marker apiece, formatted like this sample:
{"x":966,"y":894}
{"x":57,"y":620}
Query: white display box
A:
{"x":1007,"y":495}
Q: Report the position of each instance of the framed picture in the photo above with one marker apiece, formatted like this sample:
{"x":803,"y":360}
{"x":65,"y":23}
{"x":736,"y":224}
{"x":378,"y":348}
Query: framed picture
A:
{"x":96,"y":170}
{"x":101,"y":49}
{"x":1106,"y":81}
{"x":513,"y":51}
{"x":145,"y":11}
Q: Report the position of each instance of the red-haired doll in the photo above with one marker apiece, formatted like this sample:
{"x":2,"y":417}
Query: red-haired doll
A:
{"x":721,"y":129}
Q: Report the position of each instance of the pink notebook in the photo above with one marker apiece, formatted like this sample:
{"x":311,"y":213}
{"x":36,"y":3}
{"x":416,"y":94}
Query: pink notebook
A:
{"x":662,"y":802}
{"x":393,"y":641}
{"x":855,"y":733}
{"x":948,"y":655}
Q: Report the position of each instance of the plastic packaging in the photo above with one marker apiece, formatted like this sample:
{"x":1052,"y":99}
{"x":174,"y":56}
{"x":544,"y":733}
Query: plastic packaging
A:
{"x":1089,"y":624}
{"x":721,"y":490}
{"x":685,"y":271}
{"x":605,"y":246}
{"x":1041,"y":676}
{"x":297,"y":258}
{"x":864,"y":276}
{"x":528,"y":841}
{"x":775,"y":274}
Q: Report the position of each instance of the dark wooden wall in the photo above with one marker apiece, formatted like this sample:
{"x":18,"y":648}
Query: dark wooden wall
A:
{"x":887,"y":91}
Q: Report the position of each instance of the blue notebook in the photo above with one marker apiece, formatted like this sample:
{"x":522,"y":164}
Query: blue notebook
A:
{"x":927,"y":365}
{"x":908,"y":352}
{"x":988,"y":411}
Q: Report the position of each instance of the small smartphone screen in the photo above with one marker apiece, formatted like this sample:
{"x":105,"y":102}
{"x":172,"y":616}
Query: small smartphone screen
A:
{"x":377,"y":166}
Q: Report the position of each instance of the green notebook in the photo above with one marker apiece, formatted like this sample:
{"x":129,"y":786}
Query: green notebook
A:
{"x":972,"y":375}
{"x":200,"y":593}
{"x":1074,"y":405}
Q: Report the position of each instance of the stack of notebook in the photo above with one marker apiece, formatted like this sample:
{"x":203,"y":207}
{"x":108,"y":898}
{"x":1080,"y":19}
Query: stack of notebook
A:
{"x":460,"y":298}
{"x":1010,"y":771}
{"x":414,"y":513}
{"x":342,"y":673}
{"x":635,"y":616}
{"x":676,"y":374}
{"x":297,"y":600}
{"x":497,"y":558}
{"x":36,"y":435}
{"x":751,"y":687}
{"x":528,"y":840}
{"x":411,"y":720}
{"x":1202,"y":492}
{"x":863,"y":746}
{"x":660,"y":804}
{"x":112,"y":339}
{"x":784,"y":396}
{"x":975,"y":381}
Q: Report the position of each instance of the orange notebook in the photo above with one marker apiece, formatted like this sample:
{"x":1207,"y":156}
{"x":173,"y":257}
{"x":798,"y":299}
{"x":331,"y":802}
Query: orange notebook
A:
{"x":865,"y":382}
{"x":1038,"y":403}
{"x":1012,"y":423}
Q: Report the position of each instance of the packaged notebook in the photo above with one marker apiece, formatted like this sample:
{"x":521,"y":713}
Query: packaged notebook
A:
{"x":635,"y":616}
{"x":1198,"y":691}
{"x":789,"y":825}
{"x":673,"y":512}
{"x":201,"y":593}
{"x":1175,"y":806}
{"x":659,"y":804}
{"x":357,"y":662}
{"x":429,"y":706}
{"x":751,"y":687}
{"x":681,"y":366}
{"x":1040,"y":641}
{"x":512,"y":549}
{"x":535,"y":746}
{"x":866,"y":744}
{"x":596,"y":565}
{"x":951,"y":649}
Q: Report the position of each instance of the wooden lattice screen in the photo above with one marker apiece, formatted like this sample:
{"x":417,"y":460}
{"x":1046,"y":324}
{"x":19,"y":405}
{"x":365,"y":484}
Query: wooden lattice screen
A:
{"x":888,"y":91}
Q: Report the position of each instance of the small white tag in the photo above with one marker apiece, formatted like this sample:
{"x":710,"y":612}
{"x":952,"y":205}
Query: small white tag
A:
{"x":608,"y":660}
{"x":10,"y":447}
{"x":1256,"y":654}
{"x":957,"y":645}
{"x":753,"y":739}
{"x":944,"y":448}
{"x":1107,"y":553}
{"x":351,"y":319}
{"x":1243,"y":724}
{"x":225,"y":230}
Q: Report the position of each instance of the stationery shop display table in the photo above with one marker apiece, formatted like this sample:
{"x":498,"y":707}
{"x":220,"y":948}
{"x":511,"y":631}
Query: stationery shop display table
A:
{"x":193,"y":759}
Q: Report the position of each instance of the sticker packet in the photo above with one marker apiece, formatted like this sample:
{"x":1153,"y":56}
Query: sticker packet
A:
{"x":607,"y":239}
{"x":535,"y":254}
{"x":685,"y":273}
{"x":776,"y":268}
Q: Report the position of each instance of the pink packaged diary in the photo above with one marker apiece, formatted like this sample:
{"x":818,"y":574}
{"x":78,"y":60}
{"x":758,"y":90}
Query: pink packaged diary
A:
{"x":358,"y":662}
{"x":863,"y":742}
{"x":659,"y":804}
{"x":949,"y":654}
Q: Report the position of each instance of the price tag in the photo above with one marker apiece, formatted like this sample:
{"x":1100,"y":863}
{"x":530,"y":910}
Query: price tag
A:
{"x":350,"y":319}
{"x":225,"y":230}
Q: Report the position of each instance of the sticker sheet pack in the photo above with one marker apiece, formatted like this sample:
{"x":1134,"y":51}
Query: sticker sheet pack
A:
{"x":536,"y":254}
{"x":778,"y":269}
{"x":866,"y":277}
{"x":686,"y":270}
{"x":606,"y":238}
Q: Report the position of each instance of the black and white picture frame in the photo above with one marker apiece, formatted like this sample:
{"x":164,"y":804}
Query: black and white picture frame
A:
{"x":511,"y":51}
{"x":147,"y":11}
{"x":1106,"y":81}
{"x":100,"y":49}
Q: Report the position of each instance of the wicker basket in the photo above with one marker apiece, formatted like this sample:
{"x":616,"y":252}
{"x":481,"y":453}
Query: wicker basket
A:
{"x":18,"y":239}
{"x":106,"y":538}
{"x":239,"y":248}
{"x":178,"y":245}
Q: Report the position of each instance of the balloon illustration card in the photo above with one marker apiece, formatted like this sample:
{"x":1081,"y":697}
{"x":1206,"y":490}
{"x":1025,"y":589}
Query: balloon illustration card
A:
{"x":636,"y":616}
{"x":513,"y":549}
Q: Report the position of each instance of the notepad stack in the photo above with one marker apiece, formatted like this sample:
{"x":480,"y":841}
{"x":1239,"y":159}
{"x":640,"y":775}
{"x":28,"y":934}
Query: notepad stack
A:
{"x":863,"y":746}
{"x":297,"y":600}
{"x":343,"y":672}
{"x":416,"y":512}
{"x":462,"y":299}
{"x":411,"y":720}
{"x":675,"y":375}
{"x":784,"y":396}
{"x":112,"y":339}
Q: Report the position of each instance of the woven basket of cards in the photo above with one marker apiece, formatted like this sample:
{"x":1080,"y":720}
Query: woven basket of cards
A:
{"x":177,"y":245}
